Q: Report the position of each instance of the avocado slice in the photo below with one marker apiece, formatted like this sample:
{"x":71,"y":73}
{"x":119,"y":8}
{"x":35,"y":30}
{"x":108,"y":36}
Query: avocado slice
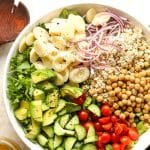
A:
{"x":36,"y":110}
{"x":49,"y":130}
{"x":42,"y":140}
{"x":49,"y":117}
{"x":42,"y":75}
{"x":52,"y":99}
{"x":71,"y":91}
{"x":61,"y":105}
{"x":36,"y":128}
{"x":38,"y":94}
{"x":21,"y":113}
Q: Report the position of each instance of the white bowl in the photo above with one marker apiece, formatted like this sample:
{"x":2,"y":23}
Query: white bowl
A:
{"x":82,"y":8}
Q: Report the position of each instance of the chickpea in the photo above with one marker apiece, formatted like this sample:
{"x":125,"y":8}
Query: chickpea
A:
{"x":146,"y":64}
{"x":119,"y":95}
{"x":137,"y":109}
{"x":117,"y":112}
{"x":132,"y":78}
{"x":133,"y":104}
{"x":148,"y":72}
{"x":142,"y":74}
{"x":114,"y":85}
{"x":146,"y":87}
{"x":120,"y":103}
{"x":92,"y":91}
{"x":141,"y":96}
{"x":133,"y":125}
{"x":146,"y":116}
{"x":129,"y":109}
{"x":137,"y":68}
{"x":142,"y":83}
{"x":145,"y":111}
{"x":132,"y":98}
{"x":131,"y":120}
{"x":124,"y":86}
{"x":134,"y":92}
{"x":137,"y":80}
{"x":122,"y":116}
{"x":142,"y":117}
{"x":120,"y":83}
{"x":126,"y":113}
{"x":111,"y":93}
{"x":124,"y":71}
{"x":147,"y":97}
{"x":124,"y":96}
{"x":128,"y":93}
{"x":117,"y":90}
{"x":146,"y":125}
{"x":146,"y":107}
{"x":131,"y":86}
{"x":137,"y":86}
{"x":100,"y":90}
{"x":115,"y":106}
{"x":99,"y":98}
{"x":123,"y":91}
{"x":124,"y":101}
{"x":148,"y":103}
{"x":127,"y":77}
{"x":129,"y":103}
{"x":108,"y":82}
{"x":138,"y":100}
{"x":121,"y":77}
{"x":131,"y":115}
{"x":113,"y":78}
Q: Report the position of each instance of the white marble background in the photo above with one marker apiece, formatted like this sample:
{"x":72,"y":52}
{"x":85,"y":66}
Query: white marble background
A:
{"x":137,"y":8}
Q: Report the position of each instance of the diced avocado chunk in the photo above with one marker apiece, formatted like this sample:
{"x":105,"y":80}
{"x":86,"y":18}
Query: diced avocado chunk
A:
{"x":89,"y":147}
{"x":49,"y":130}
{"x":71,"y":124}
{"x":38,"y":94}
{"x":94,"y":109}
{"x":71,"y":91}
{"x":87,"y":101}
{"x":42,"y":75}
{"x":64,"y":119}
{"x":24,"y":104}
{"x":44,"y":106}
{"x":52,"y":99}
{"x":36,"y":110}
{"x":69,"y":142}
{"x":21,"y":113}
{"x":57,"y":141}
{"x":47,"y":86}
{"x":42,"y":140}
{"x":80,"y":131}
{"x":61,"y":105}
{"x":49,"y":117}
{"x":51,"y":143}
{"x":34,"y":131}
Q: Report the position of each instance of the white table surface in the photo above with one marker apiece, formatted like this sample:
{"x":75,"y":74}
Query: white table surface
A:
{"x":137,"y":8}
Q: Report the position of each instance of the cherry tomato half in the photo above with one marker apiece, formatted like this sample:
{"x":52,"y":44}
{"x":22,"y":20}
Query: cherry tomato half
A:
{"x":133,"y":134}
{"x":104,"y":120}
{"x":115,"y":146}
{"x":106,"y":110}
{"x":105,"y":137}
{"x":83,"y":115}
{"x":80,"y":100}
{"x":118,"y":128}
{"x":87,"y":125}
{"x":97,"y":126}
{"x":115,"y":138}
{"x":114,"y":119}
{"x":107,"y":126}
{"x":125,"y":140}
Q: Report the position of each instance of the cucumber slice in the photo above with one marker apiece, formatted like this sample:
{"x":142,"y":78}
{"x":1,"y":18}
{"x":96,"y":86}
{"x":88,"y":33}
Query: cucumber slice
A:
{"x":49,"y":130}
{"x":91,"y":132}
{"x":87,"y":102}
{"x":42,"y":140}
{"x":94,"y":109}
{"x":71,"y":124}
{"x":69,"y":142}
{"x":51,"y":143}
{"x":63,"y":112}
{"x":64,"y":119}
{"x":58,"y":129}
{"x":57,"y":141}
{"x":59,"y":148}
{"x":44,"y":107}
{"x":49,"y":117}
{"x":78,"y":145}
{"x":90,"y":139}
{"x":61,"y":105}
{"x":80,"y":131}
{"x":89,"y":147}
{"x":69,"y":132}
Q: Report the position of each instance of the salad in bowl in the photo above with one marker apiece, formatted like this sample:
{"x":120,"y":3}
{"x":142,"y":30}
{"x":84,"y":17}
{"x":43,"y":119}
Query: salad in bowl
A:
{"x":81,"y":81}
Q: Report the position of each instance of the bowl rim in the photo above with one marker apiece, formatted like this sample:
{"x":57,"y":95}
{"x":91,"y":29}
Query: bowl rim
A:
{"x":142,"y":143}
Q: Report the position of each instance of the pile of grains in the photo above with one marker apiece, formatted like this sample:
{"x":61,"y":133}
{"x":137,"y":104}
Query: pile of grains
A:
{"x":125,"y":85}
